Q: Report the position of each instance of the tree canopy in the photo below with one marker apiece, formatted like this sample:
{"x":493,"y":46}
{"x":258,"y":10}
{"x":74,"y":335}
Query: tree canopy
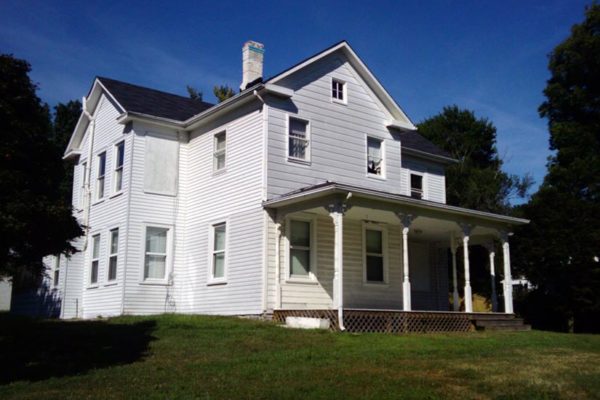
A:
{"x":559,"y":251}
{"x":477,"y":180}
{"x":223,"y":92}
{"x":35,"y":221}
{"x":63,"y":124}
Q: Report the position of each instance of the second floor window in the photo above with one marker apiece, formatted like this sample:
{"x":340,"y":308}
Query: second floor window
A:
{"x":101,"y":175}
{"x":298,"y":139}
{"x":118,"y":173}
{"x":84,"y":183}
{"x":416,"y":186}
{"x":220,"y":147}
{"x":375,"y":156}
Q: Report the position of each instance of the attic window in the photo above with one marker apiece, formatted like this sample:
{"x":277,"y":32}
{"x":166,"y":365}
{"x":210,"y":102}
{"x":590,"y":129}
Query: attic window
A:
{"x":338,"y":91}
{"x":416,"y":186}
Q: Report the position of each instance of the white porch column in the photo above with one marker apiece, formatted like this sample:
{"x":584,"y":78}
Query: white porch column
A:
{"x":492,"y":254}
{"x":455,"y":298}
{"x":508,"y":288}
{"x":336,"y":212}
{"x":466,"y":230}
{"x":406,"y":220}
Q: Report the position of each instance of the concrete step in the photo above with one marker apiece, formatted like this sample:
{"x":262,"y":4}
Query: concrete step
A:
{"x":499,"y":322}
{"x":523,"y":327}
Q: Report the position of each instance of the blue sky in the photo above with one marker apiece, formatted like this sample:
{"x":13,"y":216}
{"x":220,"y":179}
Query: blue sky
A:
{"x":487,"y":56}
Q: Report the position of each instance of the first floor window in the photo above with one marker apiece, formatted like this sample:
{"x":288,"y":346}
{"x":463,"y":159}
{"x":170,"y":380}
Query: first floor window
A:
{"x":155,"y":262}
{"x":95,"y":259}
{"x":113,"y":254}
{"x":374,"y":255}
{"x":119,"y":160}
{"x":56,"y":277}
{"x":374,"y":156}
{"x":101,"y":175}
{"x":416,"y":186}
{"x":218,"y":251}
{"x":298,"y":140}
{"x":220,"y":146}
{"x":300,"y":248}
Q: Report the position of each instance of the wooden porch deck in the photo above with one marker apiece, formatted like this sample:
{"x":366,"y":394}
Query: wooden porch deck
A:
{"x":396,"y":321}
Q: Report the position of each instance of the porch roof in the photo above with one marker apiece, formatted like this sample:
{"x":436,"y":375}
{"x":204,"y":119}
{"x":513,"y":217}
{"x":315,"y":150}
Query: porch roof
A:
{"x":343,"y":190}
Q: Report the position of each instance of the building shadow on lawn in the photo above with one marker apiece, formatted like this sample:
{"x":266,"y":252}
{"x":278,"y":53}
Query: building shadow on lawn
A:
{"x":34,"y":350}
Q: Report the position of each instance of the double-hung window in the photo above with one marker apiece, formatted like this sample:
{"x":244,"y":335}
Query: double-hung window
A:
{"x":219,"y":252}
{"x":101,"y":175}
{"x":95,"y":259}
{"x":219,"y":151}
{"x":374,"y":255}
{"x":84,"y":184}
{"x":338,"y":91}
{"x":375,"y":161}
{"x":118,"y":172}
{"x":416,"y":186}
{"x":298,"y":139}
{"x":300,"y":249}
{"x":155,"y":259}
{"x":56,"y":277}
{"x":113,"y":254}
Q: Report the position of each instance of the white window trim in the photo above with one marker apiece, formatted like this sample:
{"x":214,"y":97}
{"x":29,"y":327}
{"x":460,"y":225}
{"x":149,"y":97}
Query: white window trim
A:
{"x":425,"y":195}
{"x":297,"y":160}
{"x":224,"y":151}
{"x":169,"y":259}
{"x":312,"y":275}
{"x":92,"y":259}
{"x":211,"y":280}
{"x":114,"y":190}
{"x":383,"y":157}
{"x":384,"y":242}
{"x":344,"y":100}
{"x":97,"y":183}
{"x":83,"y":184}
{"x":109,"y":254}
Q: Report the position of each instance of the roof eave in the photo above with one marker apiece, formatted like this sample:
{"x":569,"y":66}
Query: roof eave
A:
{"x":336,"y":188}
{"x":430,"y":156}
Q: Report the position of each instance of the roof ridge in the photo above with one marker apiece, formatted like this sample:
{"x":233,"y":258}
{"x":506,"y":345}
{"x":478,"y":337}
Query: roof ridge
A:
{"x":103,"y":78}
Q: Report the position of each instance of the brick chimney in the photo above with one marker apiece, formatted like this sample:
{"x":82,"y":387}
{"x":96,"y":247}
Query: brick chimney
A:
{"x":252,"y":62}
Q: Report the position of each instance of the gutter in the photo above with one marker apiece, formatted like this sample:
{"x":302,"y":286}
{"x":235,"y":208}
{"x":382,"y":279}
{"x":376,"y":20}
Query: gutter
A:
{"x":426,"y":155}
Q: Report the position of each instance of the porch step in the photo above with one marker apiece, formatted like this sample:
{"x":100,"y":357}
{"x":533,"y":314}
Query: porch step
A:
{"x":501,"y":324}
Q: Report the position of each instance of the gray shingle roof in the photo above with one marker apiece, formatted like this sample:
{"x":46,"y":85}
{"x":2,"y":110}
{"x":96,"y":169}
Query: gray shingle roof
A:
{"x":153,"y":102}
{"x":414,"y":140}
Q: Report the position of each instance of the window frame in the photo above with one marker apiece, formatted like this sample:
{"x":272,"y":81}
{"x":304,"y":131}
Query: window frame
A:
{"x":308,"y":152}
{"x":112,"y":255}
{"x":93,"y":260}
{"x":383,"y":157}
{"x":423,"y":176}
{"x":217,"y":153}
{"x":100,"y":156}
{"x":84,"y":184}
{"x":368,"y":226}
{"x":118,"y":168}
{"x":56,"y":272}
{"x":168,"y":259}
{"x":312,"y":274}
{"x":211,"y":279}
{"x":344,"y":99}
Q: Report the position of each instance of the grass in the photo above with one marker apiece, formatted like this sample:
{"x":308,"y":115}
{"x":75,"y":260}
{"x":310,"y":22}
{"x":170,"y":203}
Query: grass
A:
{"x":194,"y":357}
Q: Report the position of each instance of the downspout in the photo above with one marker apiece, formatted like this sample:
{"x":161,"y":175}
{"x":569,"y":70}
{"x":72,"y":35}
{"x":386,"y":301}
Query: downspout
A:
{"x":128,"y":218}
{"x":278,"y":265}
{"x":88,"y":191}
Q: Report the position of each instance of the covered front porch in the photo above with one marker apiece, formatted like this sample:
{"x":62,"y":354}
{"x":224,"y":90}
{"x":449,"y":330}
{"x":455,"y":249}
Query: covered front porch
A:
{"x":382,"y":260}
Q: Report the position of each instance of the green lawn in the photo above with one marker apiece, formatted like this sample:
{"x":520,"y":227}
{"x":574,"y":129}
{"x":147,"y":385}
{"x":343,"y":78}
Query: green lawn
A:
{"x":170,"y":357}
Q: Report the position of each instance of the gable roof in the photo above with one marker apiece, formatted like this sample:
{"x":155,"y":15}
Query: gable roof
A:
{"x":413,"y":140}
{"x":139,"y":99}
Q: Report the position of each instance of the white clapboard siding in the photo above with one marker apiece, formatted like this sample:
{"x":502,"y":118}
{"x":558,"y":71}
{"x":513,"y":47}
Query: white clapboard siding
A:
{"x":338,"y":135}
{"x":434,"y":179}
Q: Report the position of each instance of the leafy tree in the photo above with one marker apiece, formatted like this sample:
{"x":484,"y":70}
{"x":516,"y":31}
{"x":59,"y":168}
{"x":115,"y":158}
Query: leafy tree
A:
{"x":34,"y":220}
{"x":223,"y":92}
{"x":477,"y":180}
{"x":65,"y":120}
{"x":559,"y":250}
{"x":194,"y":93}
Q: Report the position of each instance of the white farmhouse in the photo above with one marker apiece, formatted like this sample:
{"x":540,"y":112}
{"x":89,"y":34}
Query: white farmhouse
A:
{"x":307,"y":194}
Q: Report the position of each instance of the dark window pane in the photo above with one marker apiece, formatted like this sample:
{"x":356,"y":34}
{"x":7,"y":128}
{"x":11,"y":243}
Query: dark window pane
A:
{"x":374,"y":269}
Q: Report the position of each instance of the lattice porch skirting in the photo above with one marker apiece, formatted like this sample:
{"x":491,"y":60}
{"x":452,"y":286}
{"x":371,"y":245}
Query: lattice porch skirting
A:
{"x":387,"y":321}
